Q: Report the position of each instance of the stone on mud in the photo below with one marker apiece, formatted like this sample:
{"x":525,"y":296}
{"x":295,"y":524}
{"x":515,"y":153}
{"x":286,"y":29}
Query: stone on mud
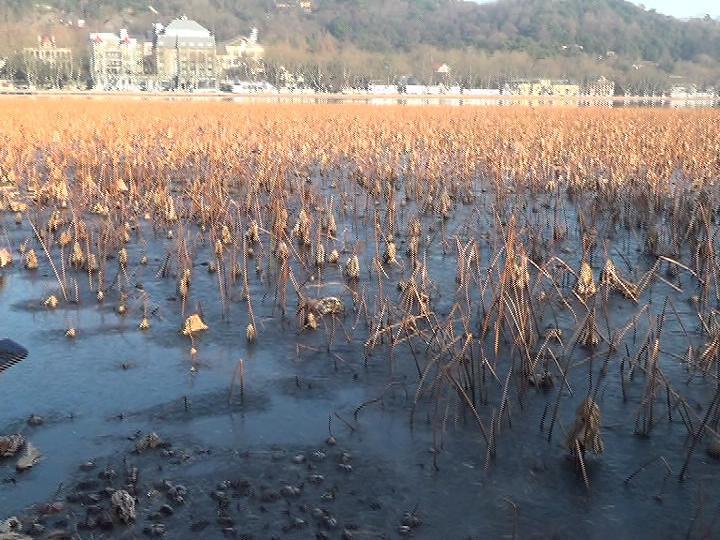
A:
{"x":11,"y":524}
{"x":11,"y":445}
{"x":124,"y":506}
{"x":149,"y":441}
{"x":29,"y":459}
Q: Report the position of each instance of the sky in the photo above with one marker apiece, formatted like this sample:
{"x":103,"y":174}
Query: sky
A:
{"x":677,"y":8}
{"x":686,"y":8}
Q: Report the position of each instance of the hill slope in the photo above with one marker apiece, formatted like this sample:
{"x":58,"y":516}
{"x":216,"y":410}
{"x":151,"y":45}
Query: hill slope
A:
{"x":389,"y":37}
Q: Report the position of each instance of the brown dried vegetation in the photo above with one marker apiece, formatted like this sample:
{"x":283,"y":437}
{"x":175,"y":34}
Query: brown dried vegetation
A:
{"x":311,"y":197}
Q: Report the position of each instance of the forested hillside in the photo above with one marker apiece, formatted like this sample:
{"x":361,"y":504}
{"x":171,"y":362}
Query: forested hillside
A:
{"x":384,"y":39}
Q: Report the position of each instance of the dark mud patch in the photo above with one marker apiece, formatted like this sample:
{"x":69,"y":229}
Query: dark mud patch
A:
{"x":38,"y":306}
{"x":37,"y":421}
{"x":294,"y":492}
{"x":209,"y":404}
{"x":305,"y":388}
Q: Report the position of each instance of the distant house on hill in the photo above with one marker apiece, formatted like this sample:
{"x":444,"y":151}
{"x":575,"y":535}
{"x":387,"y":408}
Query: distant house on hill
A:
{"x":442,"y":73}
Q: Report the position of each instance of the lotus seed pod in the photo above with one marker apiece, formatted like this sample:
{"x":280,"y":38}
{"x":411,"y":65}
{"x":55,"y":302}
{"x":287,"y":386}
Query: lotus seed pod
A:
{"x":184,"y":283}
{"x":302,"y":228}
{"x":390,"y":255}
{"x":330,"y":225}
{"x":445,"y":204}
{"x":123,"y":258}
{"x":253,"y":233}
{"x":282,"y":251}
{"x":226,"y":236}
{"x":320,"y":256}
{"x":31,"y":260}
{"x":415,"y":229}
{"x":121,"y":186}
{"x":413,"y":247}
{"x":92,"y":264}
{"x":77,"y":259}
{"x":170,"y":214}
{"x":586,"y":283}
{"x":311,"y":321}
{"x":352,"y":268}
{"x":65,"y":238}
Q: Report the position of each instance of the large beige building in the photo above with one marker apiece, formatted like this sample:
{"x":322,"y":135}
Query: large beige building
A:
{"x":184,"y":56}
{"x":47,"y":64}
{"x":116,"y":61}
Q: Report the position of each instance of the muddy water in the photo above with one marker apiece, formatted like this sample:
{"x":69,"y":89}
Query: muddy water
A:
{"x":98,"y":391}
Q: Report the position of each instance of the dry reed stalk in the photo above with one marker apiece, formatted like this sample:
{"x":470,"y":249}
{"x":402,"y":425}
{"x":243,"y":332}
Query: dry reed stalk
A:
{"x":49,"y":258}
{"x":238,"y":375}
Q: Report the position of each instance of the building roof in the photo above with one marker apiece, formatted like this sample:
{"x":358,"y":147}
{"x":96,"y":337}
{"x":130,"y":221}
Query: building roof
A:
{"x":103,"y":37}
{"x":184,"y":32}
{"x":98,"y":38}
{"x":186,"y":27}
{"x":46,"y":41}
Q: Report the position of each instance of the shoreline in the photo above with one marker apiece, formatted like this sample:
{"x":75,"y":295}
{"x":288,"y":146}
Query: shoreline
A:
{"x":367,"y":98}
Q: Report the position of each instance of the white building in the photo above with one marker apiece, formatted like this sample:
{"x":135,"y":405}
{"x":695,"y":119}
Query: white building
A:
{"x":382,"y":89}
{"x":252,"y":87}
{"x":489,"y":92}
{"x":431,"y":90}
{"x":241,"y":56}
{"x":116,"y":60}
